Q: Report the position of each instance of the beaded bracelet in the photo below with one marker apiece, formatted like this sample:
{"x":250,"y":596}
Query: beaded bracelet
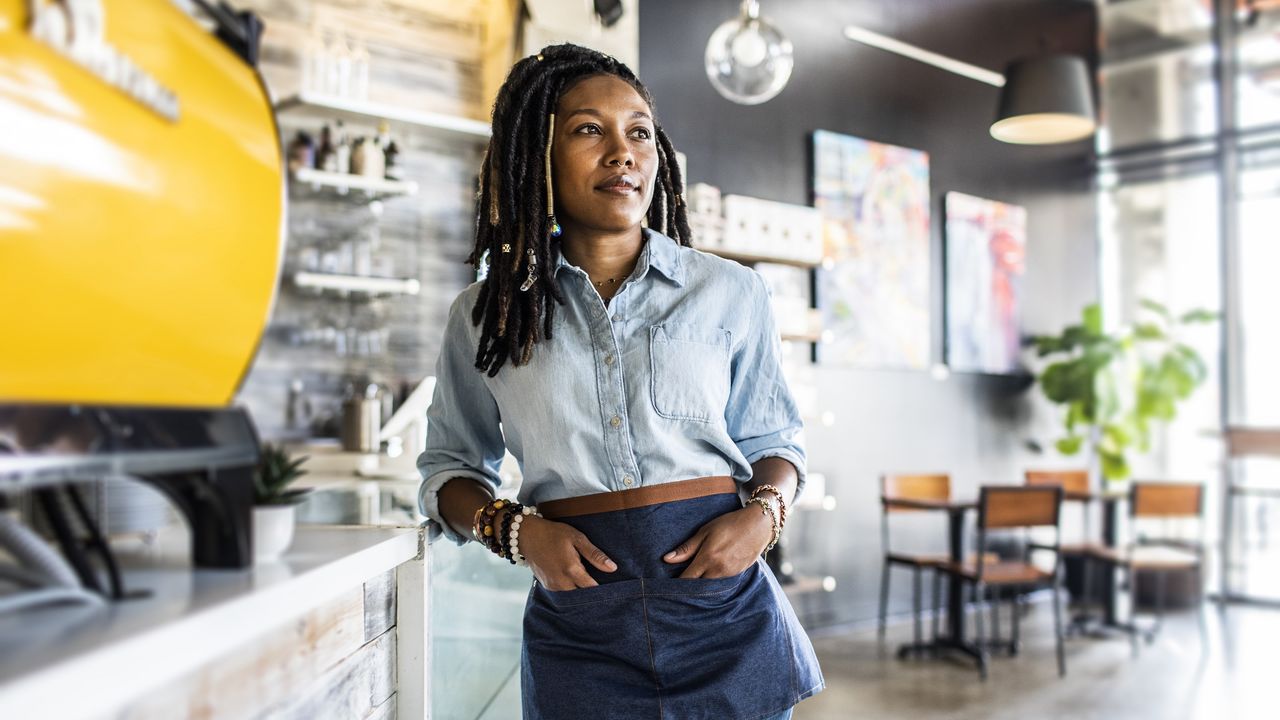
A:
{"x":482,"y":528}
{"x":514,"y":537}
{"x":504,"y":537}
{"x":767,"y":508}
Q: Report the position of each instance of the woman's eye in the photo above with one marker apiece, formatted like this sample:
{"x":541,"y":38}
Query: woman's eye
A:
{"x":643,"y":133}
{"x":586,"y":128}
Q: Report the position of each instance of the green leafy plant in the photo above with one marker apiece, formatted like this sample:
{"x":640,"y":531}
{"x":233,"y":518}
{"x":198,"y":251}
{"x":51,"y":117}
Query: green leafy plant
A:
{"x":273,"y":475}
{"x":1114,"y":386}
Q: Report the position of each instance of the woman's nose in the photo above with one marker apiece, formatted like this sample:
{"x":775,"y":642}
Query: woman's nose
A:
{"x":619,"y":153}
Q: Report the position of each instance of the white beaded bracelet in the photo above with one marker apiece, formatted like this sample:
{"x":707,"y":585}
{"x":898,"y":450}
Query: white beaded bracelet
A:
{"x":514,"y":535}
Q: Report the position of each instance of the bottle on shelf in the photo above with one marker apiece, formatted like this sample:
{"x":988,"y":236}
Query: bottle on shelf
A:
{"x":301,"y":152}
{"x":313,"y":62}
{"x":330,"y":49}
{"x":359,"y":71}
{"x":326,"y":156}
{"x":342,"y":67}
{"x":366,"y":158}
{"x":342,"y":150}
{"x":362,"y":256}
{"x":359,"y":156}
{"x":390,"y":153}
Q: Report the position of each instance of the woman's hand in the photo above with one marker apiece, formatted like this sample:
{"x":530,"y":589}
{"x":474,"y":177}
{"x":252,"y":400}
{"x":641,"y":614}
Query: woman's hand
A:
{"x":555,"y":552}
{"x":725,"y":546}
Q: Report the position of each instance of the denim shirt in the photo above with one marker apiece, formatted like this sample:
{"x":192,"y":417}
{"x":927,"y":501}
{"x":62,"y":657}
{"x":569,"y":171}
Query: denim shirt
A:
{"x":678,"y":377}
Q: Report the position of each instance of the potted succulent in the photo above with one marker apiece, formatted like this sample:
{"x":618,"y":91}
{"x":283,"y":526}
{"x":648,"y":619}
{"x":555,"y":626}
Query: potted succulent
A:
{"x":1114,"y":386}
{"x":275,"y":501}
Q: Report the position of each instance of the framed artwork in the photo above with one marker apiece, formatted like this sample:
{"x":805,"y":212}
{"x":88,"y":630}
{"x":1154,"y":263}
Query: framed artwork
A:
{"x":874,"y":290}
{"x":986,"y":257}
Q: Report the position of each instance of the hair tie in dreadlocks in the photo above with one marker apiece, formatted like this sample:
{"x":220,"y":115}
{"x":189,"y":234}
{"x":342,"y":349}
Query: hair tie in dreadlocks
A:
{"x":516,"y":305}
{"x":551,"y":201}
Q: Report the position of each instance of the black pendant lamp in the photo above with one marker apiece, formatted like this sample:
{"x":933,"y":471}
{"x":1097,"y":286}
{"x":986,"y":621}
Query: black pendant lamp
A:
{"x":1045,"y":100}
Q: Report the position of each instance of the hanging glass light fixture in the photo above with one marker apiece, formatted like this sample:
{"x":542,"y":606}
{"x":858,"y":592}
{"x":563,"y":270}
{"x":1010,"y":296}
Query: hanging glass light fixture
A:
{"x":748,"y":60}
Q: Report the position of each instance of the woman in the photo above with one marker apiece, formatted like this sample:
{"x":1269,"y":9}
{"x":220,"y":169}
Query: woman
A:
{"x":638,"y":383}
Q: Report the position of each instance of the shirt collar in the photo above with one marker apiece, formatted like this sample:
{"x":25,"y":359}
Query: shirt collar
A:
{"x":659,"y":252}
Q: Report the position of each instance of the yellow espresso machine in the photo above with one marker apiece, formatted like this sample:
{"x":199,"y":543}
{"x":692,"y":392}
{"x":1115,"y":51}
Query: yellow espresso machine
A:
{"x":141,"y":233}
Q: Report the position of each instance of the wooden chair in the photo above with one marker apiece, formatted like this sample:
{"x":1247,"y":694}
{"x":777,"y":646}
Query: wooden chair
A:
{"x":1242,"y":443}
{"x":1164,"y":553}
{"x":1072,"y":482}
{"x":929,"y":488}
{"x":1006,"y":507}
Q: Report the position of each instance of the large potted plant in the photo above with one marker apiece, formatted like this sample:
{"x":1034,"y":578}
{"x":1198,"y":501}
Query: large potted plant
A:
{"x":275,"y":501}
{"x":1114,"y":386}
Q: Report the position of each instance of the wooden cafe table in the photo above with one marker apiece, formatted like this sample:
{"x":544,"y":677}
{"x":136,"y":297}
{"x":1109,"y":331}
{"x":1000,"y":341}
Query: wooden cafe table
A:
{"x":954,"y":637}
{"x":1110,"y":500}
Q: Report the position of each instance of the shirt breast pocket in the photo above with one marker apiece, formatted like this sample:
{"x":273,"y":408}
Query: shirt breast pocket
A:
{"x":690,"y":371}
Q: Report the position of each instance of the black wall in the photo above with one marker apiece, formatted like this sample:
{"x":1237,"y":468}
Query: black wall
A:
{"x":972,"y":426}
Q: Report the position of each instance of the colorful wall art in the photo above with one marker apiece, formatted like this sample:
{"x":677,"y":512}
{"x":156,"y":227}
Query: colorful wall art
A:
{"x":874,"y":289}
{"x":985,"y":258}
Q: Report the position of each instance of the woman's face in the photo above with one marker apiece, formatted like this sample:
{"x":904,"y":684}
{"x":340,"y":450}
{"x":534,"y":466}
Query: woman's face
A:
{"x":604,"y":156}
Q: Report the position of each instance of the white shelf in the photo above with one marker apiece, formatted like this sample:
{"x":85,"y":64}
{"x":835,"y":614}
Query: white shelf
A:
{"x":753,"y":257}
{"x":449,"y":127}
{"x":344,"y":183}
{"x":800,"y":585}
{"x":357,"y":283}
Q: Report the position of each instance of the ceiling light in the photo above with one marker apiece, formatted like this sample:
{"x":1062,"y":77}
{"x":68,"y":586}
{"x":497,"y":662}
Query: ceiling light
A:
{"x":748,"y":60}
{"x":1043,"y":100}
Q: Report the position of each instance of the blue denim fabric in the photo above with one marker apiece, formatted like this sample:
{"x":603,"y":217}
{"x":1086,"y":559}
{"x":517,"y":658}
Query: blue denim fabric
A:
{"x":678,"y":377}
{"x":646,"y":644}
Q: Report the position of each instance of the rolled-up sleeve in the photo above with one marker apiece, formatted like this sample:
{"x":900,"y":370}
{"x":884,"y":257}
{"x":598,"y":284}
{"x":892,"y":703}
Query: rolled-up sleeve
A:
{"x":464,"y":437}
{"x":762,"y":416}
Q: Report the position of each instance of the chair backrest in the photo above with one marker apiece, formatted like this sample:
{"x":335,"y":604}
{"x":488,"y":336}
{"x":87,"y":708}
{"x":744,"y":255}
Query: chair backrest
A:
{"x":1012,"y":506}
{"x":1165,"y":499}
{"x":1071,"y":481}
{"x":1253,"y":441}
{"x":935,"y":487}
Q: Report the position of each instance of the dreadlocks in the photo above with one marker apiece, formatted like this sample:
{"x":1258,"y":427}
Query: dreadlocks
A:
{"x":513,"y":226}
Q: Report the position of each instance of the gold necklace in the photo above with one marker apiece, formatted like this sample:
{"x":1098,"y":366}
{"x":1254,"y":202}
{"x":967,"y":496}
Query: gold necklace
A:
{"x":602,"y":282}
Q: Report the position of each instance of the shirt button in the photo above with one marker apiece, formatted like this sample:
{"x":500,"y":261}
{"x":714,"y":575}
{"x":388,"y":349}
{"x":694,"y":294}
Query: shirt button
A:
{"x":626,"y":480}
{"x":615,"y":421}
{"x":617,"y":318}
{"x":608,"y":359}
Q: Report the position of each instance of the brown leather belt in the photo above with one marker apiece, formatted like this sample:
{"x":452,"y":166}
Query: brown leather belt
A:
{"x":637,"y":497}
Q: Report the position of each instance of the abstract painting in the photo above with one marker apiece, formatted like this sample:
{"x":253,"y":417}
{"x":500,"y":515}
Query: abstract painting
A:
{"x":873,"y":289}
{"x":986,"y":258}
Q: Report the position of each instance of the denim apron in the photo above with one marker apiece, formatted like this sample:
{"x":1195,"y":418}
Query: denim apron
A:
{"x":647,"y":644}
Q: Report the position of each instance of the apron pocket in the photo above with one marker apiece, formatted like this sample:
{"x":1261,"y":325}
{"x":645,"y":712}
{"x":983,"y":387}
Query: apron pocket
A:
{"x":721,"y":645}
{"x":583,"y":645}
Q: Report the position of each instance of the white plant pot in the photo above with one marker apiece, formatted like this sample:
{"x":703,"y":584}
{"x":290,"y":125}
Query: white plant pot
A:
{"x":272,"y":531}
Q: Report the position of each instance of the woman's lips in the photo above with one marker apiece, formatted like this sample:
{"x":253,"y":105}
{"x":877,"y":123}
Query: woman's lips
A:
{"x":619,"y":190}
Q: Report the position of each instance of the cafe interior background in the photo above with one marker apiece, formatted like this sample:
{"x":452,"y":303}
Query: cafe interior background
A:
{"x":1002,"y":236}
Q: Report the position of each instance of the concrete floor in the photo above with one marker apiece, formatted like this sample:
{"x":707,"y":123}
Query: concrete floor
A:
{"x":1234,"y":678}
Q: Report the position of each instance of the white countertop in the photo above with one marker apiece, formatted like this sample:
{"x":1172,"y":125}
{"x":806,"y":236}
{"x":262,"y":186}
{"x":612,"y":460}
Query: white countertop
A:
{"x":70,"y":661}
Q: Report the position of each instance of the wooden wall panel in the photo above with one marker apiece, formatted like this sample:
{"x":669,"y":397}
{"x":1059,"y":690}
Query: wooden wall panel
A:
{"x":321,"y":665}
